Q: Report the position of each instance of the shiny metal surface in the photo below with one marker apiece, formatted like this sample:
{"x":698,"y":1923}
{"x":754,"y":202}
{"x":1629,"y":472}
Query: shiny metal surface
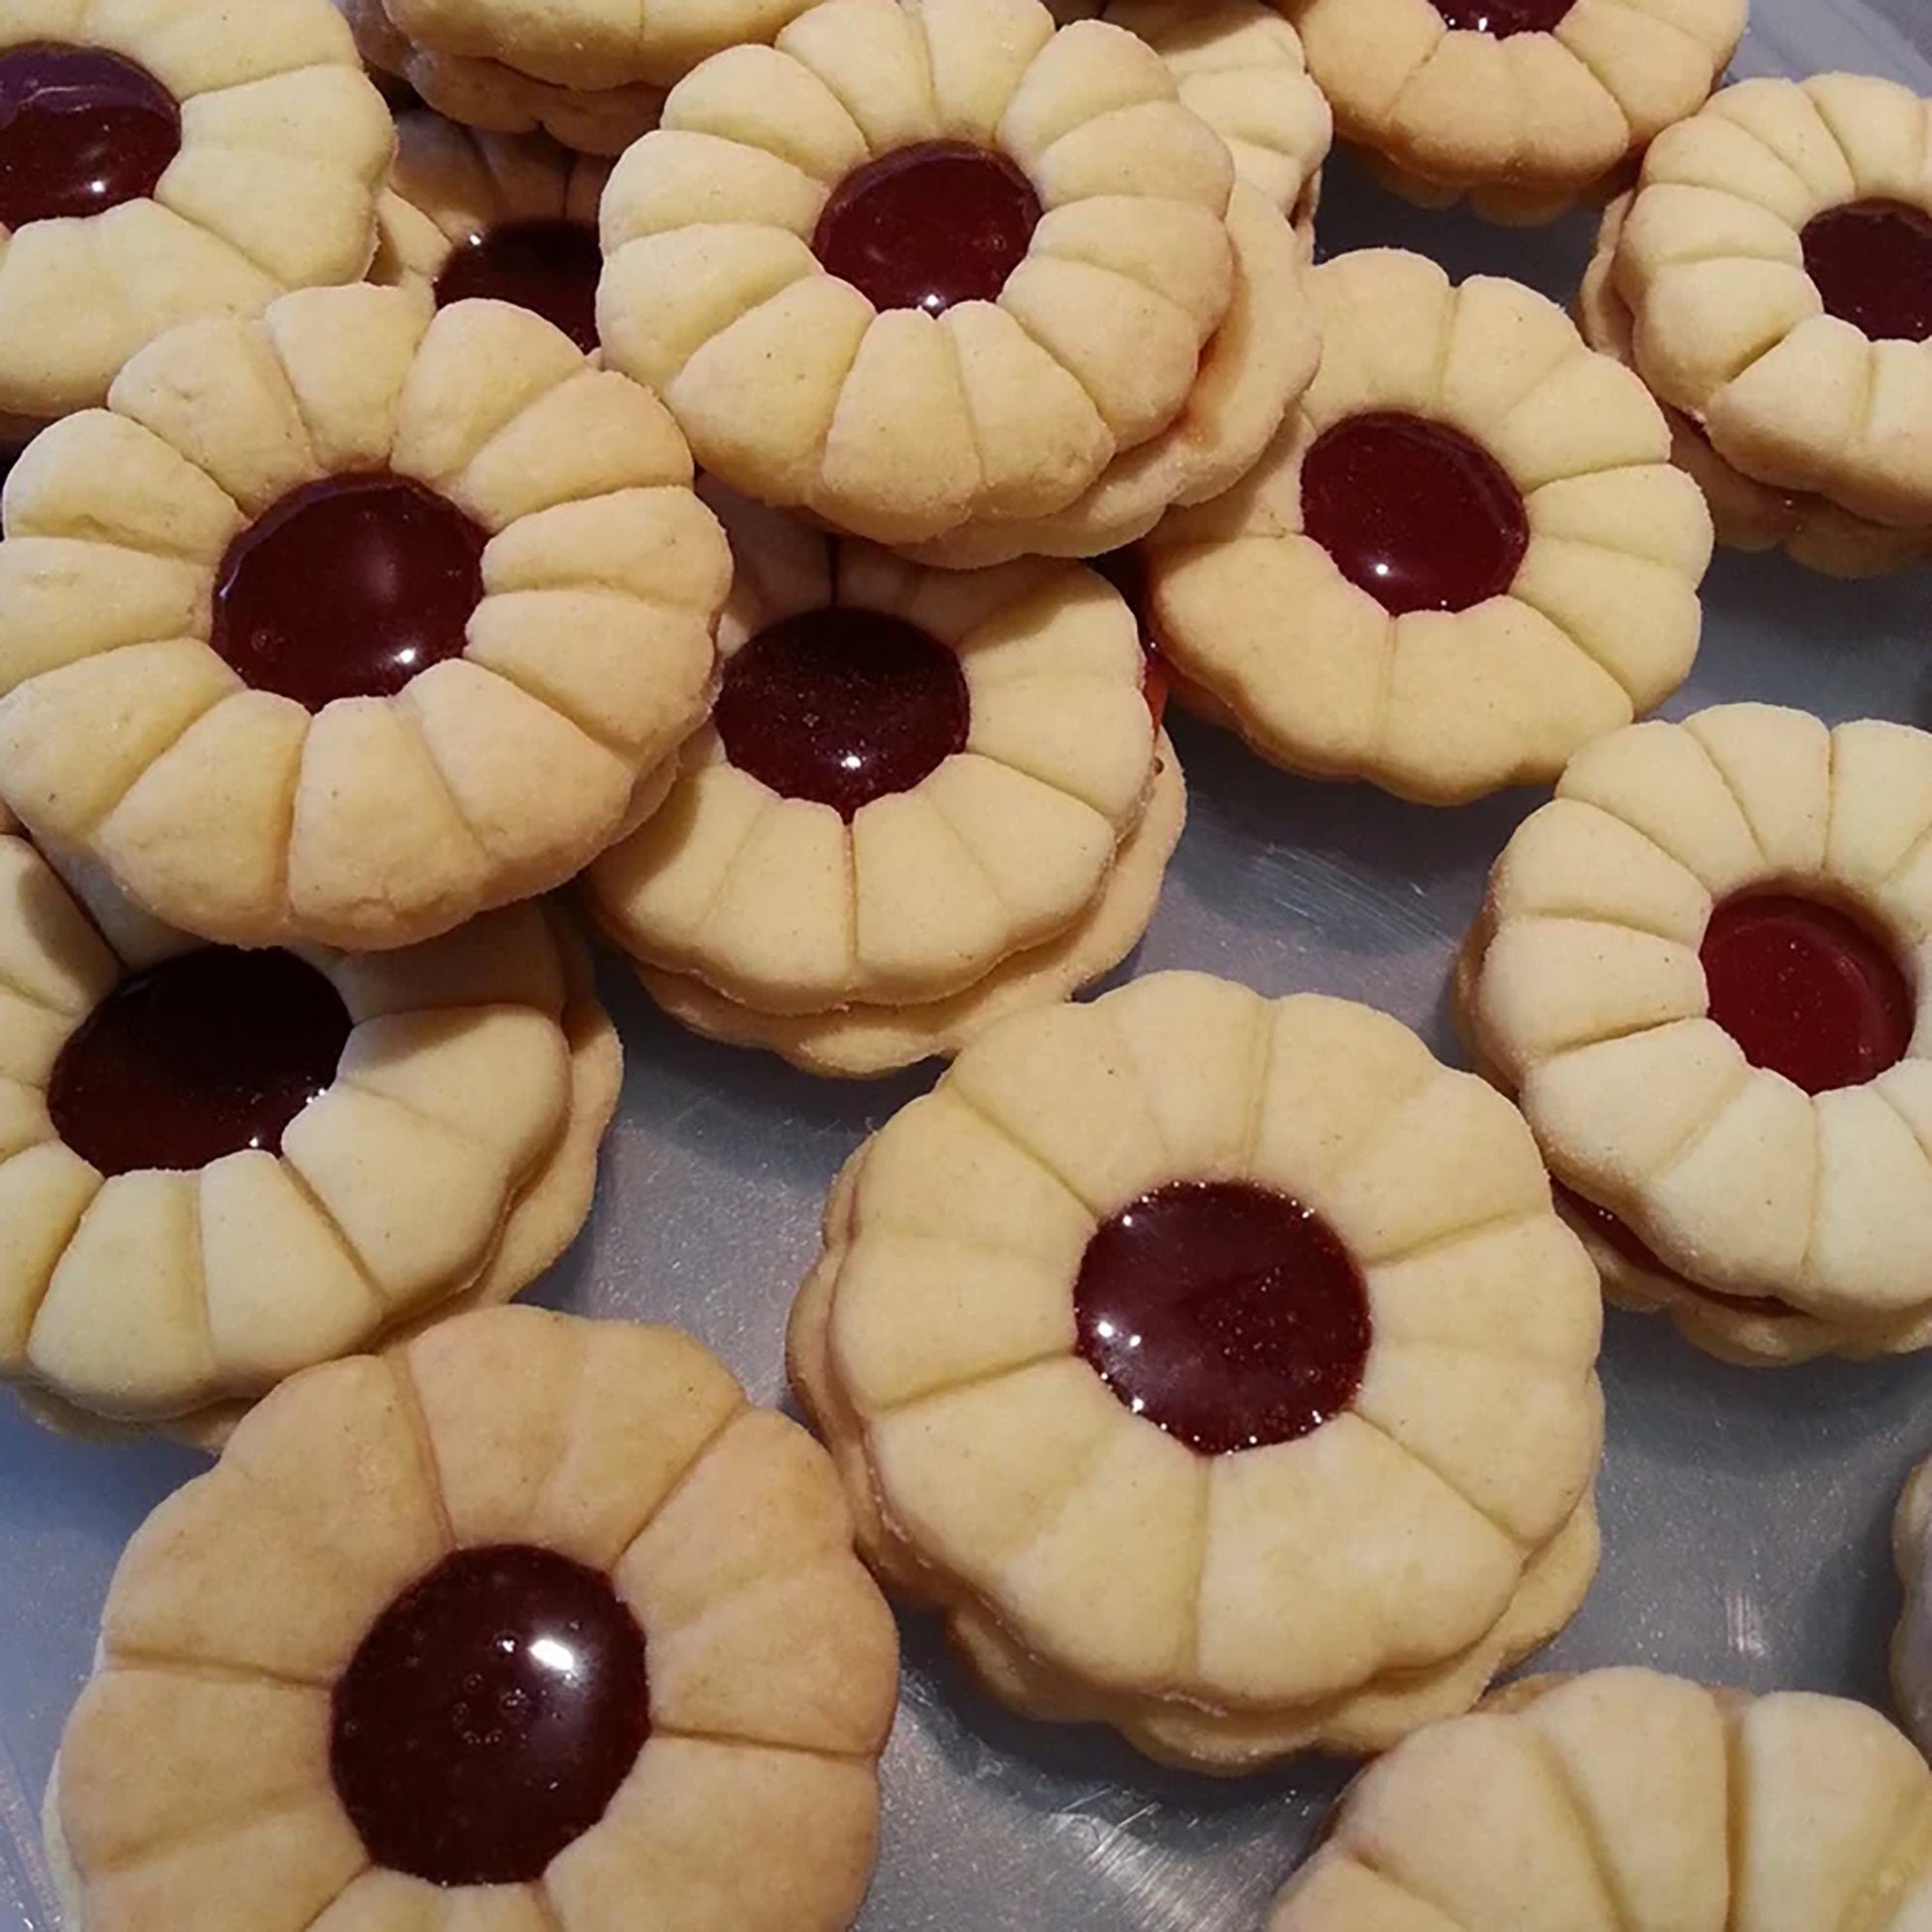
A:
{"x":1745,"y":1515}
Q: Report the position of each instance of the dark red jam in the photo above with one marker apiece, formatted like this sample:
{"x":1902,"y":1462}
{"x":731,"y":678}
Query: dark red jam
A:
{"x":82,"y":130}
{"x":550,"y":267}
{"x":1502,"y":18}
{"x":1873,"y":264}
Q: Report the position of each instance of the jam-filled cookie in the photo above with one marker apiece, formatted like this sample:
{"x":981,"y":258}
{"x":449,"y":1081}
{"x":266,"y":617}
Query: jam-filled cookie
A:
{"x":1776,"y":266}
{"x":1219,"y":1366}
{"x":1911,"y":1648}
{"x":532,"y":1626}
{"x":1625,"y":1801}
{"x":1526,"y":106}
{"x":1700,"y":969}
{"x":914,"y":267}
{"x":166,"y":161}
{"x":218,"y":1166}
{"x":1466,"y":554}
{"x":923,"y":798}
{"x":344,"y":624}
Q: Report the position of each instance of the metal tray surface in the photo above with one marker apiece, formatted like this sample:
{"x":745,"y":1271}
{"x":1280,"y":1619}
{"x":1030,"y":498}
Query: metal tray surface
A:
{"x":1746,"y":1513}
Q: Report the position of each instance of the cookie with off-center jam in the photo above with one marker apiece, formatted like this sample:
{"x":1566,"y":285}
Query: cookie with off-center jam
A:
{"x":534,"y":1623}
{"x":1699,"y":970}
{"x":1219,"y":1366}
{"x":345,"y":625}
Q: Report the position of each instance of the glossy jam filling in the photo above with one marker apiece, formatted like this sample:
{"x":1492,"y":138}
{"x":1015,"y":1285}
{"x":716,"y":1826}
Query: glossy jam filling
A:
{"x":550,"y":267}
{"x":1620,"y":1236}
{"x":347,"y":588}
{"x":1806,"y":991}
{"x":1873,"y":264}
{"x":841,"y":707}
{"x":205,"y":1055}
{"x":1502,"y":18}
{"x":1229,"y":1316}
{"x":82,"y":130}
{"x":1412,"y":512}
{"x":929,"y":228}
{"x":489,"y":1716}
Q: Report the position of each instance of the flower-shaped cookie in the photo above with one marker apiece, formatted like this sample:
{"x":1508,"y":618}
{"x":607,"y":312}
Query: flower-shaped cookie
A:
{"x":347,"y":623}
{"x":1524,"y":105}
{"x":218,"y":1166}
{"x":1699,"y":968}
{"x":910,"y":778}
{"x":1624,"y":1801}
{"x":531,"y":1625}
{"x":914,"y":267}
{"x":1219,"y":1366}
{"x":1466,"y":554}
{"x":1911,"y":1647}
{"x":1777,"y":267}
{"x":166,"y":161}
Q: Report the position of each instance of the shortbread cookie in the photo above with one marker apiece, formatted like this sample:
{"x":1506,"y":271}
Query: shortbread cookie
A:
{"x":1624,"y":1801}
{"x":1911,"y":1650}
{"x":534,"y":1625}
{"x":1219,"y":1366}
{"x":1777,"y":268}
{"x":166,"y":161}
{"x":1526,"y":106}
{"x":921,"y":265}
{"x":217,"y":1168}
{"x":345,"y":625}
{"x":1466,"y":554}
{"x":1699,"y":968}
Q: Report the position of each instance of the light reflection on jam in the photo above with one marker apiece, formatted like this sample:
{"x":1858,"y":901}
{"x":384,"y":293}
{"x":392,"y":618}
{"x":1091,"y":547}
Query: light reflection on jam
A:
{"x":1502,"y":18}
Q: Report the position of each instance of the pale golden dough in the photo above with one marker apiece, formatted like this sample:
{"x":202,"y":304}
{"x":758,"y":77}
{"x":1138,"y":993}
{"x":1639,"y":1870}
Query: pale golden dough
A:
{"x":1219,"y":1611}
{"x":193,"y":1791}
{"x":1911,"y":1658}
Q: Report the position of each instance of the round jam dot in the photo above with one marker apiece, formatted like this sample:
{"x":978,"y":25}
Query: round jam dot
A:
{"x":1618,"y":1234}
{"x":347,"y":588}
{"x":1229,"y":1316}
{"x":205,"y":1055}
{"x":488,"y":1717}
{"x":549,"y":267}
{"x":929,"y":227}
{"x":1412,"y":512}
{"x":81,"y":131}
{"x":841,"y":707}
{"x":1502,"y":18}
{"x":1873,"y":264}
{"x":1806,"y":991}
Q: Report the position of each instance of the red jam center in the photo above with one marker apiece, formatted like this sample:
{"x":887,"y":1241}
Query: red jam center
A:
{"x":347,"y":588}
{"x":202,"y":1056}
{"x":929,"y":228}
{"x":549,"y":267}
{"x":1806,"y":991}
{"x":841,"y":707}
{"x":1873,"y":263}
{"x":1620,"y":1236}
{"x":489,"y":1716}
{"x":1502,"y":18}
{"x":1229,"y":1316}
{"x":1412,"y":512}
{"x":82,"y":130}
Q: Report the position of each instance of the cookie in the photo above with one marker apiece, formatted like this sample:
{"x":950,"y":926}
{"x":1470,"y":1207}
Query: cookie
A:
{"x":514,"y":1627}
{"x":1697,"y":968}
{"x":1524,"y":106}
{"x":1625,"y":1801}
{"x":217,"y":1168}
{"x":911,"y":781}
{"x":1776,"y":265}
{"x":1465,"y":555}
{"x":1219,"y":1366}
{"x":168,"y":160}
{"x":1911,"y":1649}
{"x":343,"y":626}
{"x":917,"y":267}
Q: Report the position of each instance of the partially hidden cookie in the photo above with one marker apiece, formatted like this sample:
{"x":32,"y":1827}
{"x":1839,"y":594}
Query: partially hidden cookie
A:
{"x":923,"y":798}
{"x":1219,"y":1366}
{"x":1466,"y":554}
{"x":534,"y":1625}
{"x":918,"y":266}
{"x":168,"y":160}
{"x":1626,"y":1801}
{"x":217,"y":1168}
{"x":1911,"y":1646}
{"x":1524,"y":106}
{"x":348,"y":624}
{"x":1776,"y":267}
{"x":1699,"y":969}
